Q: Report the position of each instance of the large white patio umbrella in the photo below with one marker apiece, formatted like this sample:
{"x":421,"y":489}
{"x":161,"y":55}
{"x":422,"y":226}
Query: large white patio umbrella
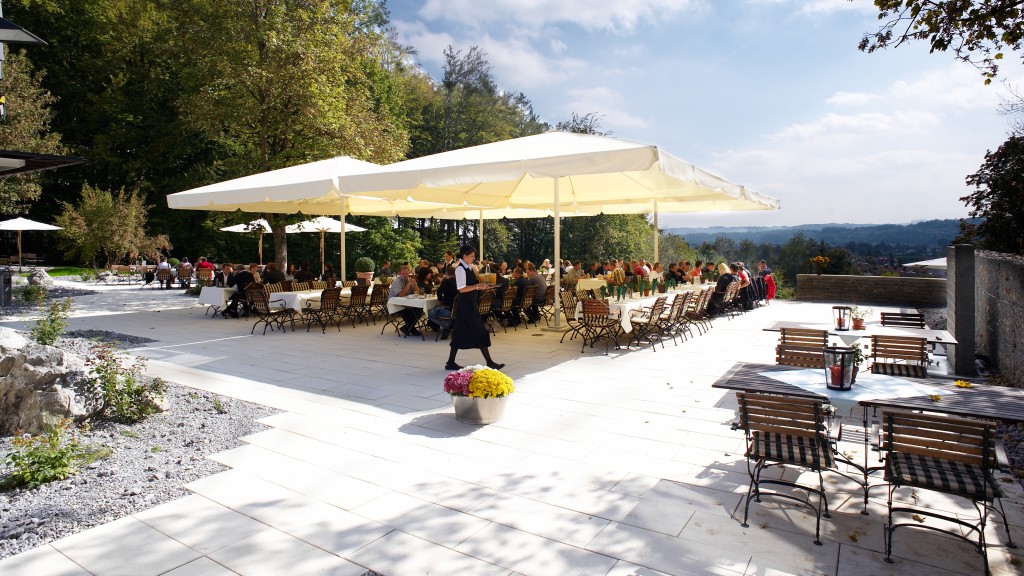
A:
{"x":600,"y":173}
{"x":20,"y":224}
{"x":310,"y":188}
{"x":322,"y":224}
{"x":261,"y":226}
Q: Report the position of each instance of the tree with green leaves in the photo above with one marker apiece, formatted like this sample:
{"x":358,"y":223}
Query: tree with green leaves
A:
{"x":977,"y":31}
{"x":998,"y":197}
{"x":26,"y":128}
{"x":282,"y":82}
{"x":104,"y":229}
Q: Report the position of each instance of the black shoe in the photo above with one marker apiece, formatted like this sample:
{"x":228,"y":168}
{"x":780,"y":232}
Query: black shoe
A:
{"x":452,"y":366}
{"x":415,"y":332}
{"x":444,"y":334}
{"x":495,"y":365}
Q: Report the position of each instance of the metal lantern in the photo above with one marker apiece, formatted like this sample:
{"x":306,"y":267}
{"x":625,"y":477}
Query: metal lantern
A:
{"x":841,"y":317}
{"x":839,"y":366}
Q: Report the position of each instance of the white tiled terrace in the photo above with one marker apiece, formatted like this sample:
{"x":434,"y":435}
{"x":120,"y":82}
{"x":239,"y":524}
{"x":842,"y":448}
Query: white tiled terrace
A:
{"x":603,"y":465}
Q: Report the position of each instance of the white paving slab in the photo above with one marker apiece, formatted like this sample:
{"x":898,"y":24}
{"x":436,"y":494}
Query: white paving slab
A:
{"x":614,"y":465}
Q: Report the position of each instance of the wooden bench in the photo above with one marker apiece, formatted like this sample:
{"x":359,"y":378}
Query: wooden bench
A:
{"x":802,"y":347}
{"x":899,"y":356}
{"x":904,"y":319}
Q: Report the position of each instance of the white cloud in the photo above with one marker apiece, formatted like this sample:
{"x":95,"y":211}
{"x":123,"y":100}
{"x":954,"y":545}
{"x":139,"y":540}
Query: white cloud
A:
{"x":819,"y":7}
{"x":851,"y":98}
{"x":613,"y":15}
{"x":557,"y":46}
{"x":868,"y":123}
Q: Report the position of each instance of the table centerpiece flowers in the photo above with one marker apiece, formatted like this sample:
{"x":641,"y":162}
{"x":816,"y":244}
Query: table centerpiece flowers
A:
{"x":820,"y":262}
{"x":479,"y":394}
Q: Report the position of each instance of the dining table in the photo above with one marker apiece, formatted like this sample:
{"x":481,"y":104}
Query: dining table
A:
{"x":871,"y":392}
{"x":871,"y":328}
{"x":216,"y":298}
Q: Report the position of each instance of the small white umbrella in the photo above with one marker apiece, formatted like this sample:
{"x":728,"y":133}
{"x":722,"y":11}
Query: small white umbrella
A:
{"x":936,"y":264}
{"x":20,"y":224}
{"x":322,"y":224}
{"x":261,"y":226}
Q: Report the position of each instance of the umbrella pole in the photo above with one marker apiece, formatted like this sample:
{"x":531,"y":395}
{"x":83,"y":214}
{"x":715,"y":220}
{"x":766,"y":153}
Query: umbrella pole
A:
{"x":321,"y":253}
{"x":481,"y":255}
{"x":344,"y":209}
{"x":656,"y":234}
{"x":19,"y":251}
{"x":558,"y":262}
{"x":261,"y":247}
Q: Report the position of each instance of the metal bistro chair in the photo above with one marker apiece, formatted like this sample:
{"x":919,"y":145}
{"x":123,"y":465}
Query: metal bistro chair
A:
{"x":326,"y":313}
{"x":526,"y":304}
{"x":569,"y":302}
{"x":946,"y":454}
{"x":647,"y":324}
{"x":204,"y":276}
{"x":356,"y":309}
{"x":786,"y":431}
{"x":506,"y":311}
{"x":598,"y":323}
{"x":269,"y":316}
{"x":801,"y":347}
{"x":378,"y":306}
{"x":697,"y":313}
{"x":483,"y":307}
{"x":547,"y":309}
{"x":163,"y":276}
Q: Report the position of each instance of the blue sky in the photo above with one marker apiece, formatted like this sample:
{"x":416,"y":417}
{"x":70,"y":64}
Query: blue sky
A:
{"x":771,"y":94}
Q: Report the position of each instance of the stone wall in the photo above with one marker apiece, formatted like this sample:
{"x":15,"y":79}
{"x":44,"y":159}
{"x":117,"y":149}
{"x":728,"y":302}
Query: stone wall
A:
{"x":999,"y":302}
{"x":879,"y":290}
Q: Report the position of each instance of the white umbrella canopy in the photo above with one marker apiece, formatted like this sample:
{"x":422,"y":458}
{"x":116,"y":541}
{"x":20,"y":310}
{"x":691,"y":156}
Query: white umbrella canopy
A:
{"x":322,"y":224}
{"x":261,"y":226}
{"x":935,"y":264}
{"x":601,"y":174}
{"x":20,"y":224}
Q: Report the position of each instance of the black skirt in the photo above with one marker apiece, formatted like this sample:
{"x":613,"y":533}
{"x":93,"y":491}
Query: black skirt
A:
{"x":468,"y":330}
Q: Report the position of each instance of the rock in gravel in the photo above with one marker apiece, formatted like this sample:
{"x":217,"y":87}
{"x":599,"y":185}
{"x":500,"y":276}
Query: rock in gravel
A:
{"x":11,"y":342}
{"x":42,"y":384}
{"x":39,"y":277}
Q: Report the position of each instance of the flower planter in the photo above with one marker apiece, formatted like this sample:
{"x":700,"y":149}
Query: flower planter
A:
{"x":858,"y":323}
{"x":469,"y":410}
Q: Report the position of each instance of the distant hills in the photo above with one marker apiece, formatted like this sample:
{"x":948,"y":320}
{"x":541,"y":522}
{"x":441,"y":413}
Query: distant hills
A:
{"x":935,"y":233}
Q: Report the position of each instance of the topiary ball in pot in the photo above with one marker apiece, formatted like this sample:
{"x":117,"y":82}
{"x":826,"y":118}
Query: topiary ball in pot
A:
{"x":365,"y":264}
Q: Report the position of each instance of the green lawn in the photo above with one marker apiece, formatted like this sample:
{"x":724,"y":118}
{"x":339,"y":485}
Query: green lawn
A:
{"x":68,"y":271}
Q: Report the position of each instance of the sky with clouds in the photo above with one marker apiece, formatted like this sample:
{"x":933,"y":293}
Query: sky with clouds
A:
{"x":771,"y":94}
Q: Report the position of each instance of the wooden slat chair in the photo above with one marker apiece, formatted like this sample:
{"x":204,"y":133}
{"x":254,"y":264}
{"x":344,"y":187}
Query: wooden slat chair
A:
{"x":597,"y":323}
{"x":378,"y":303}
{"x":899,"y":356}
{"x":326,"y":312}
{"x":266,"y":313}
{"x":301,"y":286}
{"x":787,"y":431}
{"x":163,"y":276}
{"x":698,"y":315}
{"x":568,"y":300}
{"x":903,"y":319}
{"x":204,"y":276}
{"x":348,"y":283}
{"x":673,"y":322}
{"x":185,"y":277}
{"x":357,"y":308}
{"x":547,"y":309}
{"x":506,"y":308}
{"x":275,"y":288}
{"x":946,"y":454}
{"x":526,"y":304}
{"x":802,"y":347}
{"x":647,"y":324}
{"x":483,"y":307}
{"x":319,"y":285}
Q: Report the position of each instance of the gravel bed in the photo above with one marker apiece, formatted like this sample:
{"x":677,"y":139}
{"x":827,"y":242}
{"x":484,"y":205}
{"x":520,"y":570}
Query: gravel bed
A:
{"x":79,"y":340}
{"x":150,"y":463}
{"x":56,"y":293}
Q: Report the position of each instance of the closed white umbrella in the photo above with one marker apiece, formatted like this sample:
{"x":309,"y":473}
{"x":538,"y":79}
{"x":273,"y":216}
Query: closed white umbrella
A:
{"x":20,"y":224}
{"x":322,"y":224}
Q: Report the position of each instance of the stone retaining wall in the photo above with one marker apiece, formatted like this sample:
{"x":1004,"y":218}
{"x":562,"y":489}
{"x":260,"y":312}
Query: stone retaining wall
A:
{"x":880,"y":290}
{"x":999,"y":309}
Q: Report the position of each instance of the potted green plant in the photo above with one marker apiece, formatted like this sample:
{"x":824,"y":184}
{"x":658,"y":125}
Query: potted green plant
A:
{"x":479,"y":394}
{"x":364,"y":270}
{"x":858,"y":315}
{"x":858,"y":359}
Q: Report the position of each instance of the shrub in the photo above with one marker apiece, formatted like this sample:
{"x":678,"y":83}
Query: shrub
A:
{"x":173,"y":262}
{"x":126,"y":396}
{"x":53,"y":455}
{"x":194,"y":290}
{"x":49,"y":327}
{"x":365,"y":264}
{"x":32,"y":294}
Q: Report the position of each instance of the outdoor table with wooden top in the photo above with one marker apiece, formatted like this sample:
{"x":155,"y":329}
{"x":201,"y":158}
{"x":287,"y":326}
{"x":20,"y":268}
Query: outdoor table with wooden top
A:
{"x":870,"y":329}
{"x":810,"y":383}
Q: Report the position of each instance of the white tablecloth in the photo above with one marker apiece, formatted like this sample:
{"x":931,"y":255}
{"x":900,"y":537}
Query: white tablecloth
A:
{"x":590,"y":284}
{"x":868,"y":386}
{"x":297,"y":300}
{"x":396,"y":303}
{"x":621,"y":309}
{"x":213,"y":296}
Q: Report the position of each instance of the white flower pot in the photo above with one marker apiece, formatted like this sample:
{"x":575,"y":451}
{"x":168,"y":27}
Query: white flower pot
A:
{"x":470,"y":410}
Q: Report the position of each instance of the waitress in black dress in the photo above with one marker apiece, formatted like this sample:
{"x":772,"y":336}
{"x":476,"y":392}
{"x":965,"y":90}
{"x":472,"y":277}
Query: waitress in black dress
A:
{"x":468,"y":330}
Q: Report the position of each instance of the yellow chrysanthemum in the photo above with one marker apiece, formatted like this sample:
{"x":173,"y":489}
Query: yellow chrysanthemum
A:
{"x":490,"y":383}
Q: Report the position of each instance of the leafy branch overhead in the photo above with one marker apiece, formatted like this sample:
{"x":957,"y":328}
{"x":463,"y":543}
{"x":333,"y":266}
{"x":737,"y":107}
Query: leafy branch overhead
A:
{"x":977,"y":32}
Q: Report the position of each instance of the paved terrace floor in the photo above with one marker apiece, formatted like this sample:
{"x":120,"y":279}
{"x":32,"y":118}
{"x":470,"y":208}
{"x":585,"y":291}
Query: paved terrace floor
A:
{"x":603,"y":465}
